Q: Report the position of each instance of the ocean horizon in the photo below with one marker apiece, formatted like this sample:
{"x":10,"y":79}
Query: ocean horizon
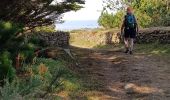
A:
{"x":74,"y":25}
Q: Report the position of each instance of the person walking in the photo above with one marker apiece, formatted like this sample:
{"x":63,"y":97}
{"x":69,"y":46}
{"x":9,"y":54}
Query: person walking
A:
{"x":129,"y":30}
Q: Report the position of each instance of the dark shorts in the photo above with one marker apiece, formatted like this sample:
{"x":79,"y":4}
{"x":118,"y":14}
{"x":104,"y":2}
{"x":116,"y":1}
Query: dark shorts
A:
{"x":130,"y":33}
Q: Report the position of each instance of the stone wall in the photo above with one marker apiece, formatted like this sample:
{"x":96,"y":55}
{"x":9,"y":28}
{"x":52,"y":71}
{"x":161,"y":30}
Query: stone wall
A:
{"x":147,"y":35}
{"x":103,"y":37}
{"x":156,"y":34}
{"x":55,"y":39}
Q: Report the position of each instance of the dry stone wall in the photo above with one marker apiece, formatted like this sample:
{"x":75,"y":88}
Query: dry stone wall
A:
{"x":147,"y":35}
{"x":156,"y":34}
{"x":55,"y":39}
{"x":104,"y":37}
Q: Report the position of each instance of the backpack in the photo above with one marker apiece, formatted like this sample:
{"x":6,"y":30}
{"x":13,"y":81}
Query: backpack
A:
{"x":130,"y":21}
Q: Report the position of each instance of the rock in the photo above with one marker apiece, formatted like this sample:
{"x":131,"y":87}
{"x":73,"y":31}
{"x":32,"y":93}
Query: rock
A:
{"x":129,"y":88}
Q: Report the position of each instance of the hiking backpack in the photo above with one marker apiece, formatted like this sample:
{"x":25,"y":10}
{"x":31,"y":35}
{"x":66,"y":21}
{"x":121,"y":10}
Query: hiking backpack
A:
{"x":130,"y":21}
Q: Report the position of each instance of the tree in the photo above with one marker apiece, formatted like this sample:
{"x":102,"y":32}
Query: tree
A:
{"x":108,"y":20}
{"x":148,"y":12}
{"x":33,"y":13}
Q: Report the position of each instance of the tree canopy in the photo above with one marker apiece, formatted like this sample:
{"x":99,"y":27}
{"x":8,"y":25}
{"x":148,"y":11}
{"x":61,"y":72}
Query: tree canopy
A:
{"x":33,"y":13}
{"x":148,"y":12}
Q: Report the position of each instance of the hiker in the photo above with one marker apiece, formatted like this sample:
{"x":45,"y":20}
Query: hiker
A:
{"x":129,"y":30}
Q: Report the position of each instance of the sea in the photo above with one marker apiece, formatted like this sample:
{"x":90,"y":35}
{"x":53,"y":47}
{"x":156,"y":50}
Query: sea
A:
{"x":75,"y":25}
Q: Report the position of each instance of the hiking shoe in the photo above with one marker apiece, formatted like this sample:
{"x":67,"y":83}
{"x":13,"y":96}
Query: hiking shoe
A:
{"x":131,"y":52}
{"x":127,"y":51}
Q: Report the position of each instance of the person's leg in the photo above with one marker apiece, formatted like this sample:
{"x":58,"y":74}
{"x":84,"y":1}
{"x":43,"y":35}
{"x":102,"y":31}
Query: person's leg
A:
{"x":131,"y":41}
{"x":131,"y":44}
{"x":126,"y":41}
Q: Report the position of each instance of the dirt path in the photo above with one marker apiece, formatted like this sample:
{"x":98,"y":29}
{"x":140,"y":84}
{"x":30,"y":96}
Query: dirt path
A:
{"x":112,"y":75}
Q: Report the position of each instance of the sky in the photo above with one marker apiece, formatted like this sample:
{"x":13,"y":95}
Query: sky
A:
{"x":84,"y":18}
{"x":91,"y":11}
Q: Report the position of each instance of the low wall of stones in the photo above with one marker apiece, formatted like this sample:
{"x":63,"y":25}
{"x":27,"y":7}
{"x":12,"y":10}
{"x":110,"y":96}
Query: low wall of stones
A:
{"x":54,"y":39}
{"x":103,"y":37}
{"x":156,"y":34}
{"x":147,"y":35}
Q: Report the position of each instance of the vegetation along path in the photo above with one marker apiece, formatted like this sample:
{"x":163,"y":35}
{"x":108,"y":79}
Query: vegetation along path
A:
{"x":113,"y":75}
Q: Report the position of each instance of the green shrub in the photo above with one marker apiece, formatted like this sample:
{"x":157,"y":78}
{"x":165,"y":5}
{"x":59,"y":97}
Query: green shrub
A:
{"x":35,"y":38}
{"x":45,"y":29}
{"x":20,"y":90}
{"x":41,"y":79}
{"x":6,"y":69}
{"x":8,"y":32}
{"x":44,"y":77}
{"x":26,"y":56}
{"x":10,"y":91}
{"x":108,"y":20}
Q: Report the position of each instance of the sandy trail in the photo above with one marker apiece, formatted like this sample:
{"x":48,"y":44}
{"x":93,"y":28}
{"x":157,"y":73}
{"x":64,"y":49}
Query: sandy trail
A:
{"x":113,"y":75}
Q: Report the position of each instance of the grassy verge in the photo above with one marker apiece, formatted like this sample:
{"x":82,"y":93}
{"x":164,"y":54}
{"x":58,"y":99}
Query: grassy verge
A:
{"x":91,"y":38}
{"x":151,"y":48}
{"x":154,"y":48}
{"x":46,"y":78}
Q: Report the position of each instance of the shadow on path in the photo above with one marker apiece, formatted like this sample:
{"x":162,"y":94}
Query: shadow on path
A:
{"x":112,"y":75}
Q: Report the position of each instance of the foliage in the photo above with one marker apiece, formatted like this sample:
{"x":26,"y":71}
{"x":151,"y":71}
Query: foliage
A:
{"x":40,"y":79}
{"x":33,"y":13}
{"x":12,"y":44}
{"x":10,"y":91}
{"x":148,"y":12}
{"x":108,"y":20}
{"x":114,"y":4}
{"x":34,"y":39}
{"x":37,"y":78}
{"x":157,"y":10}
{"x":26,"y":52}
{"x":45,"y":29}
{"x":8,"y":34}
{"x":6,"y":68}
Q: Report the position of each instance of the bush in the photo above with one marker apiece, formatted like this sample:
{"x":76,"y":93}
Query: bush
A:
{"x":150,"y":13}
{"x":8,"y":32}
{"x":39,"y":79}
{"x":36,"y":40}
{"x":43,"y":77}
{"x":115,"y":21}
{"x":27,"y":52}
{"x":10,"y":91}
{"x":110,"y":20}
{"x":45,"y":29}
{"x":143,"y":19}
{"x":6,"y":69}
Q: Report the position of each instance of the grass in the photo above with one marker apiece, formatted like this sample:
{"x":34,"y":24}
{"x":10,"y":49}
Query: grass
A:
{"x":93,"y":38}
{"x":84,"y":40}
{"x":70,"y":81}
{"x":151,"y":48}
{"x":37,"y":81}
{"x":154,"y":48}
